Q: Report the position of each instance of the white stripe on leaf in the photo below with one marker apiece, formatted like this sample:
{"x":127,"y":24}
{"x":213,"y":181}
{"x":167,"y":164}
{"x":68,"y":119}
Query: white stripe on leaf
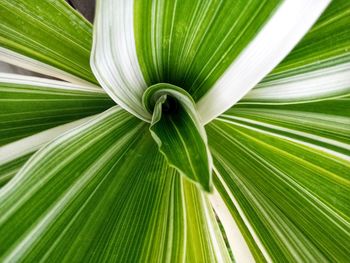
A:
{"x":114,"y":59}
{"x":28,"y":63}
{"x":322,"y":83}
{"x":281,"y":33}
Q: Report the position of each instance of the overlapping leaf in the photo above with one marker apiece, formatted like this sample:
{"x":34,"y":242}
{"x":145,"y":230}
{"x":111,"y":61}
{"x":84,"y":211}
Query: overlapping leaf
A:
{"x":319,"y":66}
{"x":194,"y":45}
{"x":103,"y":192}
{"x":288,"y":191}
{"x":290,"y":185}
{"x":46,"y":36}
{"x":31,"y":109}
{"x":179,"y":133}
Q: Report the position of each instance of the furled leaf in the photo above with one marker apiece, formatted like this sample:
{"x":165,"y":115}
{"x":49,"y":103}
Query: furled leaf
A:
{"x":103,"y":192}
{"x":196,"y":46}
{"x":179,"y":133}
{"x":46,"y":36}
{"x":218,"y":50}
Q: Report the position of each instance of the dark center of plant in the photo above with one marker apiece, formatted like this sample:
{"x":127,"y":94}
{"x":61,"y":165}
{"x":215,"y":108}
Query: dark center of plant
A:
{"x":170,"y":106}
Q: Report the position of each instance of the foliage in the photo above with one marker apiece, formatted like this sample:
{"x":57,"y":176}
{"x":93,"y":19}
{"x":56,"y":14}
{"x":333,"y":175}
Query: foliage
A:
{"x":167,"y":117}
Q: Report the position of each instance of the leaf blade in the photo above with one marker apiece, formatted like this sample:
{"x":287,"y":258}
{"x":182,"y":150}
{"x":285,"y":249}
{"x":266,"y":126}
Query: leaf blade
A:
{"x":293,"y":190}
{"x":34,"y":111}
{"x":177,"y":130}
{"x":110,"y":191}
{"x":50,"y":38}
{"x":114,"y":60}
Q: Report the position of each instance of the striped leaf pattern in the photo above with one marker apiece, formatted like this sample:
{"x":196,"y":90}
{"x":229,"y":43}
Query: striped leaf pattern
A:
{"x":48,"y":37}
{"x":34,"y":111}
{"x":177,"y":130}
{"x":317,"y":68}
{"x":290,"y":185}
{"x":258,"y":92}
{"x":288,"y":190}
{"x":30,"y":105}
{"x":120,"y":196}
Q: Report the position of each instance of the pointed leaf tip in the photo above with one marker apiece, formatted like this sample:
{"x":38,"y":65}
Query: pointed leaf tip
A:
{"x":177,"y":130}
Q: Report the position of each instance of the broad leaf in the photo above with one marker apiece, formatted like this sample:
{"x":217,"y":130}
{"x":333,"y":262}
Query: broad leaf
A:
{"x":15,"y":154}
{"x":325,"y":45}
{"x":194,"y":45}
{"x":30,"y":104}
{"x":314,"y":85}
{"x":289,"y":187}
{"x":31,"y":108}
{"x":319,"y":66}
{"x":179,"y":133}
{"x":217,"y":50}
{"x":288,"y":190}
{"x":10,"y":166}
{"x":103,"y":192}
{"x":46,"y":36}
{"x":114,"y":60}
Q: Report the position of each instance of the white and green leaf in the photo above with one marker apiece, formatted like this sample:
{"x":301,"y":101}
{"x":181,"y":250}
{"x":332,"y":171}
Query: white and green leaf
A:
{"x":48,"y":37}
{"x":103,"y":191}
{"x":289,"y":186}
{"x":288,"y":190}
{"x":179,"y":133}
{"x":34,"y":111}
{"x":317,"y":68}
{"x":121,"y":195}
{"x":114,"y":60}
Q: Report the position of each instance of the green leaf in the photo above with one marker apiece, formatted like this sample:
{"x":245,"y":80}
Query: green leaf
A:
{"x":34,"y":111}
{"x":319,"y":66}
{"x":15,"y":154}
{"x":324,"y":124}
{"x":191,"y":44}
{"x":179,"y":133}
{"x":219,"y":50}
{"x":194,"y":45}
{"x":204,"y":238}
{"x":289,"y":187}
{"x":288,"y":191}
{"x":114,"y":60}
{"x":325,"y":45}
{"x":10,"y":166}
{"x":103,"y":192}
{"x":314,"y":85}
{"x":46,"y":36}
{"x":30,"y":105}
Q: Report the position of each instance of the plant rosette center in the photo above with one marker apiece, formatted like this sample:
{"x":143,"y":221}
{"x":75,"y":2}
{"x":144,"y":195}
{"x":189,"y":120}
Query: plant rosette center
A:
{"x":179,"y":132}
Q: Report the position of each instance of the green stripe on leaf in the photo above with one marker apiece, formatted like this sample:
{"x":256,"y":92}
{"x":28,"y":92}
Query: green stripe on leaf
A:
{"x":177,"y":130}
{"x":48,"y":32}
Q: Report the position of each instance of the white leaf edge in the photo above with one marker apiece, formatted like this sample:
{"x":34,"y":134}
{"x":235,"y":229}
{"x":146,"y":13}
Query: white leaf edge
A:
{"x":322,"y":83}
{"x":30,"y":64}
{"x":238,"y":245}
{"x":12,"y":78}
{"x":280,"y":34}
{"x":114,"y":59}
{"x":19,"y":148}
